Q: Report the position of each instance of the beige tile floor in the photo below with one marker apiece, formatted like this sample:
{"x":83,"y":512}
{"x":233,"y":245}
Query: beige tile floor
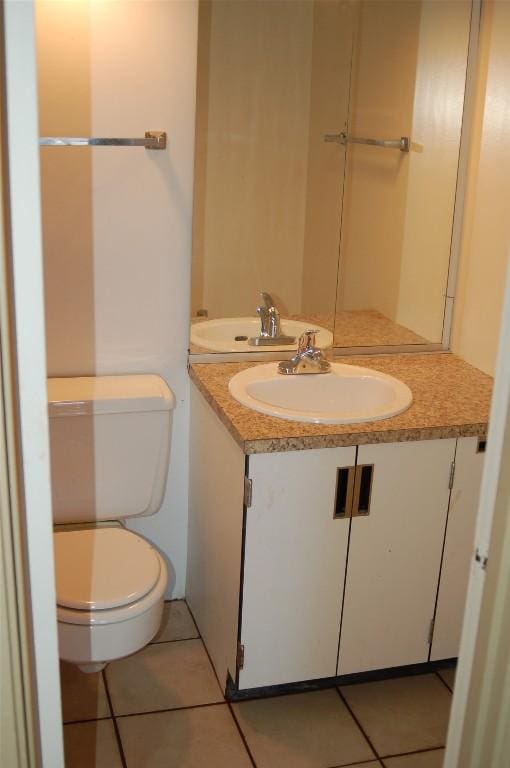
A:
{"x":163,"y":708}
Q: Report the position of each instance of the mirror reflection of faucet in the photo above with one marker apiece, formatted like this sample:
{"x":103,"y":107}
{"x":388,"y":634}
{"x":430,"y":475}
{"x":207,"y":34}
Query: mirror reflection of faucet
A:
{"x":308,"y":358}
{"x":270,"y":326}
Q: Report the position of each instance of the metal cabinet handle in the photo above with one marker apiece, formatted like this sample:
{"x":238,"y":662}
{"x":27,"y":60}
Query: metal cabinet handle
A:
{"x":345,"y":477}
{"x":362,"y":490}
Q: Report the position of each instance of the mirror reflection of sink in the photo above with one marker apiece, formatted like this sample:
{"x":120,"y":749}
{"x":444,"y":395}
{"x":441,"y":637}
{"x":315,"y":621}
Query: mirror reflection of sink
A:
{"x":347,"y":395}
{"x":231,"y":334}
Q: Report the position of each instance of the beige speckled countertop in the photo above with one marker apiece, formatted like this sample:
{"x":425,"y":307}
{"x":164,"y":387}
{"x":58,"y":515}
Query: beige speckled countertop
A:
{"x":450,"y":399}
{"x":352,"y":328}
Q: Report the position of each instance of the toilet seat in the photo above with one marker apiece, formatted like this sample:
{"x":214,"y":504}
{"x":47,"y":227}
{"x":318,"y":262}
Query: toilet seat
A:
{"x":106,"y":575}
{"x":94,"y":636}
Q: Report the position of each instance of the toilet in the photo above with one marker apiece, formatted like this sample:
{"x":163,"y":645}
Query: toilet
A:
{"x":110,"y":448}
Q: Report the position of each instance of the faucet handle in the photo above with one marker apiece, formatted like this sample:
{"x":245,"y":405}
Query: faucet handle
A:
{"x":307,"y":340}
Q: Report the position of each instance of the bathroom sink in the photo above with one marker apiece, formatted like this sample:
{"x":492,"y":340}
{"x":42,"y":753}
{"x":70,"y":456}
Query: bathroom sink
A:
{"x":347,"y":395}
{"x":231,"y":334}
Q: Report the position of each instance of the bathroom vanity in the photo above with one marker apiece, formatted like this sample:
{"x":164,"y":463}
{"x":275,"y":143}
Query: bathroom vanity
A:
{"x":325,"y":551}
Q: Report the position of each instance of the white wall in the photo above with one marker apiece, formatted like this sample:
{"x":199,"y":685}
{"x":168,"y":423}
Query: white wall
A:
{"x":486,"y":230}
{"x":142,"y":67}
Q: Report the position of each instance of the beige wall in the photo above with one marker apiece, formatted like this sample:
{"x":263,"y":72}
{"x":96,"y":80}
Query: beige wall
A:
{"x":273,"y":78}
{"x":117,"y":221}
{"x":63,"y":35}
{"x":251,"y":177}
{"x":398,"y":208}
{"x":486,"y":231}
{"x":382,"y":95}
{"x":200,"y":169}
{"x":433,"y":165}
{"x":333,"y":22}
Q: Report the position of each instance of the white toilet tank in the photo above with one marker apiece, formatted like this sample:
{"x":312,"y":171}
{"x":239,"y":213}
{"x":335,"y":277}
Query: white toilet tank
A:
{"x":110,"y":446}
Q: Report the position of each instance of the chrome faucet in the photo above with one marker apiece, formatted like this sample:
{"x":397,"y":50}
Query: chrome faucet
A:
{"x":270,"y":329}
{"x":308,"y":358}
{"x":268,"y":301}
{"x":269,"y":317}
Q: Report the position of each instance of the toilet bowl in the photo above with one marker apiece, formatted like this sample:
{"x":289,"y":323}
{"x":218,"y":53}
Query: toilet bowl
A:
{"x":110,"y":586}
{"x":110,"y":444}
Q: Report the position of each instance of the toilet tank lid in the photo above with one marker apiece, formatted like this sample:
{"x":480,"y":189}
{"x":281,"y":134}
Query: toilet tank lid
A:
{"x":89,"y":395}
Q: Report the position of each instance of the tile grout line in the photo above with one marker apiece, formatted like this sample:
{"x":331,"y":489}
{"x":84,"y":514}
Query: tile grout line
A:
{"x":192,"y":617}
{"x":115,"y":725}
{"x":443,"y":681}
{"x":241,"y":734}
{"x":413,"y":752}
{"x":174,"y":640}
{"x":178,"y":639}
{"x":230,"y":708}
{"x":376,"y":753}
{"x":86,"y":720}
{"x":232,"y":712}
{"x":381,"y":758}
{"x":171,"y":709}
{"x":213,"y":670}
{"x":358,"y":765}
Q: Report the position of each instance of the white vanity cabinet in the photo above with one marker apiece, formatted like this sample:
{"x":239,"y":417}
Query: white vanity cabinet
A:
{"x":295,"y":554}
{"x":395,"y":556}
{"x":458,"y":548}
{"x":333,"y":566}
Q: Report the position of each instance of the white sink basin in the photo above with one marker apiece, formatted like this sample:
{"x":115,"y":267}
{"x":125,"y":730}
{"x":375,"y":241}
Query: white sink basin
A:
{"x":347,"y":395}
{"x":220,"y":335}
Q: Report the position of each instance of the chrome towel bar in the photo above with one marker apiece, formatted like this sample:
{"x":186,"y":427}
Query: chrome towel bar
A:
{"x":343,"y":138}
{"x":152,"y":140}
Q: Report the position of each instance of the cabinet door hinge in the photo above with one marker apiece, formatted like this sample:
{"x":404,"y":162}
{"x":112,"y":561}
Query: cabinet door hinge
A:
{"x":452,"y":475}
{"x":240,"y":656}
{"x":431,"y":631}
{"x":248,"y":490}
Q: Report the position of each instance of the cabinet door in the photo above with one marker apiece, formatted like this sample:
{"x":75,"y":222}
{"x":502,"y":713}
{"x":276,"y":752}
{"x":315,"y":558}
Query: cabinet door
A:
{"x":294,"y":567}
{"x":395,"y":556}
{"x":458,"y":550}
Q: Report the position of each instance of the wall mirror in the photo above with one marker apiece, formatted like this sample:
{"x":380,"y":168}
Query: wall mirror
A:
{"x":327,"y":156}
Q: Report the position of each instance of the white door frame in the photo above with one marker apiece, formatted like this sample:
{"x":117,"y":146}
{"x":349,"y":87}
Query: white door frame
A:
{"x":483,"y":662}
{"x":27,"y":294}
{"x":27,"y":299}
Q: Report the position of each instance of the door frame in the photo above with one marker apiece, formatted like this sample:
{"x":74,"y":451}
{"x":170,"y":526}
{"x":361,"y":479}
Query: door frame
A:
{"x":480,"y":718}
{"x":32,"y":580}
